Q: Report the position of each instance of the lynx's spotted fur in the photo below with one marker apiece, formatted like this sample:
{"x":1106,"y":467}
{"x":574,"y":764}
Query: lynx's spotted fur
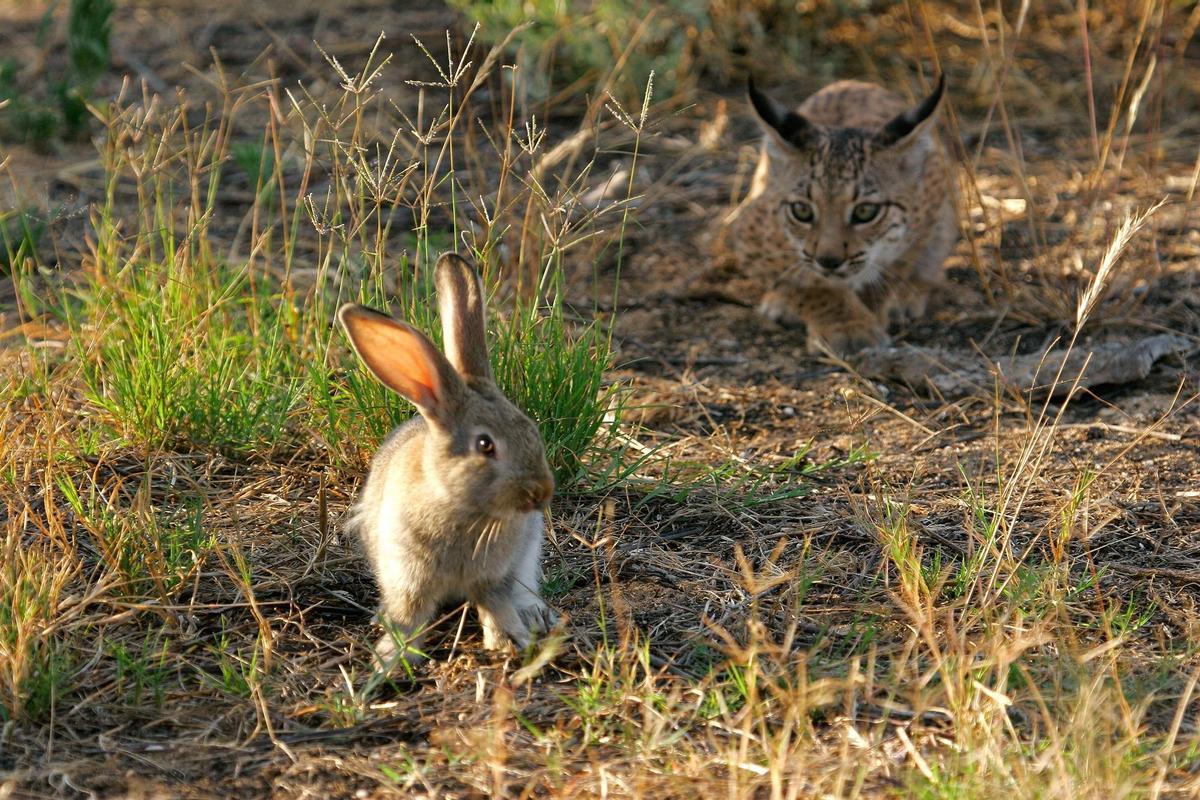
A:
{"x":850,"y":214}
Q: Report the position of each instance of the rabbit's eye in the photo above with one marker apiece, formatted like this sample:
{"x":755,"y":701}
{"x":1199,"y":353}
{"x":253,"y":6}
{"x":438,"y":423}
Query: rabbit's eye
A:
{"x":485,"y":446}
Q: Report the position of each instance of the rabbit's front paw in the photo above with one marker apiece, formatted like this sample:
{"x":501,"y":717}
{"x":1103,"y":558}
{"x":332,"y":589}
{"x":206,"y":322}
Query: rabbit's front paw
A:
{"x":520,"y":623}
{"x":538,"y":617}
{"x":501,"y":623}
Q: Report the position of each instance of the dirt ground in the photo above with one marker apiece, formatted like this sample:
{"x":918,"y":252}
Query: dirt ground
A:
{"x":714,"y":386}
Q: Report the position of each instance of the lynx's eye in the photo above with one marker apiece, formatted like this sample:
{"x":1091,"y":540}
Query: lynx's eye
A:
{"x":864,"y":213}
{"x":801,"y":211}
{"x":485,"y":446}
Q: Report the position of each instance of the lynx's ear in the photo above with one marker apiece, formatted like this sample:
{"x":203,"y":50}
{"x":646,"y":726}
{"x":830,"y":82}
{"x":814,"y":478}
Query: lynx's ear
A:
{"x":909,"y":125}
{"x":787,"y":126}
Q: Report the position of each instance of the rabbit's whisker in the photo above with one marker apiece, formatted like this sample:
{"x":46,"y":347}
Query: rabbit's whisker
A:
{"x":491,"y":535}
{"x":479,"y":529}
{"x":495,"y":529}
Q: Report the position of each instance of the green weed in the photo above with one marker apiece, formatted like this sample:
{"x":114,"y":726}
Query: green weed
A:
{"x":237,"y":674}
{"x":746,"y":484}
{"x":89,"y":27}
{"x":35,"y":666}
{"x":617,"y":43}
{"x":144,"y":669}
{"x":144,"y":552}
{"x":59,"y":107}
{"x":21,"y":231}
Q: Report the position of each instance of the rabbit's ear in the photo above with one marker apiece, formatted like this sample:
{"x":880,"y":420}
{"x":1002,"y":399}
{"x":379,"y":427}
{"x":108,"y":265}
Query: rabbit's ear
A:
{"x":404,"y":360}
{"x":461,"y":305}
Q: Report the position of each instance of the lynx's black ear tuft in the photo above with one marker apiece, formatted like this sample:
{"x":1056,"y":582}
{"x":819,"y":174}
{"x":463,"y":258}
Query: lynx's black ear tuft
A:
{"x":906,"y":126}
{"x":789,"y":126}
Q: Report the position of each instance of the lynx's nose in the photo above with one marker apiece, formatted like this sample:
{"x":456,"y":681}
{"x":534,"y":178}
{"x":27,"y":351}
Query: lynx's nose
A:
{"x":830,"y":263}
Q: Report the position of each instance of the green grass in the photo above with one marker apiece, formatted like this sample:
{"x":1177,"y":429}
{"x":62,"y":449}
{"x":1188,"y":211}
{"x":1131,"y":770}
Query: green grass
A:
{"x":35,"y":668}
{"x":88,"y":30}
{"x":143,"y":669}
{"x":560,"y":382}
{"x":21,"y":232}
{"x":740,"y":482}
{"x":58,"y":106}
{"x":144,"y":552}
{"x":616,"y":44}
{"x":237,"y":673}
{"x":180,"y":347}
{"x":192,"y":357}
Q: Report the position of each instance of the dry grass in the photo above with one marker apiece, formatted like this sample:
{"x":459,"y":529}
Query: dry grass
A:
{"x":783,"y":581}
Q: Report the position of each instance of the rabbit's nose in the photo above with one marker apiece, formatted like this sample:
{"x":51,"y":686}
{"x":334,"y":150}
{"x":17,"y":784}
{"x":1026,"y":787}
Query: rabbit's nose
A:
{"x":540,"y":492}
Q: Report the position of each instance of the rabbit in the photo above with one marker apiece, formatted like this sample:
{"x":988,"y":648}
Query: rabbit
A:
{"x":453,"y":507}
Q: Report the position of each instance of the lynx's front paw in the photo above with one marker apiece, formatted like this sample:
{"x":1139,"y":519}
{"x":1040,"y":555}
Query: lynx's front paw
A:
{"x":909,"y":305}
{"x":845,"y":340}
{"x":775,"y":307}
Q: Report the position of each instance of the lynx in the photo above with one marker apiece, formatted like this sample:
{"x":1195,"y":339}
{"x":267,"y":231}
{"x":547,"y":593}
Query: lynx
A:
{"x":850,"y":214}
